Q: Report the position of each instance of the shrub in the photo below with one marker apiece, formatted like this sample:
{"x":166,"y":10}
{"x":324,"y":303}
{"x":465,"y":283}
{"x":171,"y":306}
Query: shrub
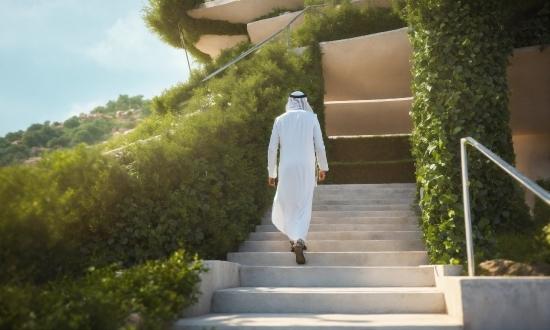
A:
{"x":157,"y":291}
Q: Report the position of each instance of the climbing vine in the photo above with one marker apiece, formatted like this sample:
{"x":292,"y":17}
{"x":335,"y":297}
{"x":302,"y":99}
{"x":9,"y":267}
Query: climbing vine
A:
{"x":460,"y":56}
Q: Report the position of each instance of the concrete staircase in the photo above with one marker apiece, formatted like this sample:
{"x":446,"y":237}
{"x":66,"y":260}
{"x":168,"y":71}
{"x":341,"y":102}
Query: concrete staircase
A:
{"x":365,"y":269}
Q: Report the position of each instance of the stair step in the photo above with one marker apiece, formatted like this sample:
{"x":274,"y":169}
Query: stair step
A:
{"x":335,"y":246}
{"x":313,"y":228}
{"x":317,"y":276}
{"x":365,"y":193}
{"x":343,"y":187}
{"x":359,"y":220}
{"x":342,"y":235}
{"x":408,"y":258}
{"x":407,"y":213}
{"x":270,"y":321}
{"x":349,"y":208}
{"x":365,"y":201}
{"x":328,"y":300}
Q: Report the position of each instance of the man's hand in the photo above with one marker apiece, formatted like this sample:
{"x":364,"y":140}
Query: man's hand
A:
{"x":271,"y":182}
{"x":322,"y":175}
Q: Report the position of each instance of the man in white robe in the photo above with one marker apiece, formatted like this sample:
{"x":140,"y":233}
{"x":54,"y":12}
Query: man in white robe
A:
{"x":299,"y":134}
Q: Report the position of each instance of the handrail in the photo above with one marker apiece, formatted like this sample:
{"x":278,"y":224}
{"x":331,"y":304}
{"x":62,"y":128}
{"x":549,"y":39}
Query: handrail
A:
{"x":256,"y":47}
{"x":528,"y":183}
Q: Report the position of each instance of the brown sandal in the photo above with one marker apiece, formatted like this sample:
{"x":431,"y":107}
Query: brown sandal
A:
{"x":292,"y":246}
{"x":299,"y":251}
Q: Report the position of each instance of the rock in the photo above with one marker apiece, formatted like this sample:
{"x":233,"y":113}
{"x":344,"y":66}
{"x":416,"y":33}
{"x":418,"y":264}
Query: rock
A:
{"x":135,"y":320}
{"x":500,"y":267}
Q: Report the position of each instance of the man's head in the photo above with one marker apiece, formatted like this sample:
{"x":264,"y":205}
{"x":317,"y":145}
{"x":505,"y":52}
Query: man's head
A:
{"x":298,"y":101}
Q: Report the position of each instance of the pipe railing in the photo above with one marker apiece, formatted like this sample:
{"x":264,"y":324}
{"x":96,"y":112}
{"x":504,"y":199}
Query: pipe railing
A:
{"x":528,"y":183}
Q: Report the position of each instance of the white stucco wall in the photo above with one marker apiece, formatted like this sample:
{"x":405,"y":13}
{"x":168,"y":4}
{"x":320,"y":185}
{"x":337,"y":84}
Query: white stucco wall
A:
{"x":221,"y":275}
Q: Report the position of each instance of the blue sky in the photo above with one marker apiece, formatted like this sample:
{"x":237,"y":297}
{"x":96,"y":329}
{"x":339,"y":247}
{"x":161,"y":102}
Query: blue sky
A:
{"x":59,"y":58}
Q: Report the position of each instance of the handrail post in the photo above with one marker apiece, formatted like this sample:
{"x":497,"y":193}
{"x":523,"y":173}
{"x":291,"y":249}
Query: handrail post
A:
{"x":467,"y":215}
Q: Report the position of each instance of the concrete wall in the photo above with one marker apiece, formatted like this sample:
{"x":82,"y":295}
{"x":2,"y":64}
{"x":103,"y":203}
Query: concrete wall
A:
{"x":368,"y":117}
{"x":532,"y":158}
{"x":498,"y":303}
{"x":213,"y":44}
{"x":221,"y":275}
{"x":376,"y":66}
{"x":241,"y":11}
{"x":529,"y":81}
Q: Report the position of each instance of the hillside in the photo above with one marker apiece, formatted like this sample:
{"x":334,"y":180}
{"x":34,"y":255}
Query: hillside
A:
{"x":116,"y":117}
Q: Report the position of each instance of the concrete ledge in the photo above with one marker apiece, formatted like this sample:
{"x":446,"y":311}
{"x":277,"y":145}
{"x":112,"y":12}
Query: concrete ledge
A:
{"x":369,"y":117}
{"x":221,"y":275}
{"x":497,"y":303}
{"x":213,"y":44}
{"x":261,"y":30}
{"x":241,"y":11}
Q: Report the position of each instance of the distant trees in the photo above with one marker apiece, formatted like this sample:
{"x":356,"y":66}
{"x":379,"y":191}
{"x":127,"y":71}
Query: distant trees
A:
{"x":16,"y":147}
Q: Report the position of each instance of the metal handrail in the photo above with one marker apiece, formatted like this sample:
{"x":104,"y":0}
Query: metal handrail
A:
{"x":256,"y":47}
{"x":528,"y":183}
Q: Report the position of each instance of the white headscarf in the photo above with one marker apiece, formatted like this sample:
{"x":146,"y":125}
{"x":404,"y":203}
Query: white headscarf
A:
{"x":297,"y":101}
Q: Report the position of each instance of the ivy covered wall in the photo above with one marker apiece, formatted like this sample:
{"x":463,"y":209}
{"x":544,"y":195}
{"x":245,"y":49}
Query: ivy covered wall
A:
{"x":460,"y":55}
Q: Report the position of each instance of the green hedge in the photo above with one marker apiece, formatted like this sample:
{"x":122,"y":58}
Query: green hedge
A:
{"x":460,"y":54}
{"x":342,"y":20}
{"x":370,"y":149}
{"x":401,"y":171}
{"x":373,"y":159}
{"x":155,"y":293}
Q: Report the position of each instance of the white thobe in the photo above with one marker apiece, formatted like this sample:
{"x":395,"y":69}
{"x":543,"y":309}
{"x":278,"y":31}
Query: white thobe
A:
{"x":299,"y":134}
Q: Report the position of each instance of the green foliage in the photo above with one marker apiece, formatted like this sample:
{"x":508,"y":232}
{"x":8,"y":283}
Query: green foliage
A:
{"x":40,"y":229}
{"x":163,"y":17}
{"x":157,"y":291}
{"x":541,"y":210}
{"x":172,"y":99}
{"x":400,"y":171}
{"x":370,"y":149}
{"x":459,"y":88}
{"x":72,"y":122}
{"x":529,"y":22}
{"x":277,"y":11}
{"x":341,"y":21}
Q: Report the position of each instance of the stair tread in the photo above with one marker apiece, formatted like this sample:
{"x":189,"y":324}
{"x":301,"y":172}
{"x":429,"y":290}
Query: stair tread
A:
{"x":316,"y":321}
{"x":328,"y":290}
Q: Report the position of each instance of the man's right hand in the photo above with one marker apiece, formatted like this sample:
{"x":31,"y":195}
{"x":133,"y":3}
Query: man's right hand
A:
{"x":322,"y":175}
{"x":271,"y":182}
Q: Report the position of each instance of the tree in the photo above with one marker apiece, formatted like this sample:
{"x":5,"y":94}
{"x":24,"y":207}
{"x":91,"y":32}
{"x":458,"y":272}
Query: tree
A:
{"x":13,"y":154}
{"x":40,"y":138}
{"x":14,"y":136}
{"x":82,"y":136}
{"x":71,"y":122}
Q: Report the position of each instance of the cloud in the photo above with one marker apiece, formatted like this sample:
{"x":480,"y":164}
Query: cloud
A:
{"x":128,"y":45}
